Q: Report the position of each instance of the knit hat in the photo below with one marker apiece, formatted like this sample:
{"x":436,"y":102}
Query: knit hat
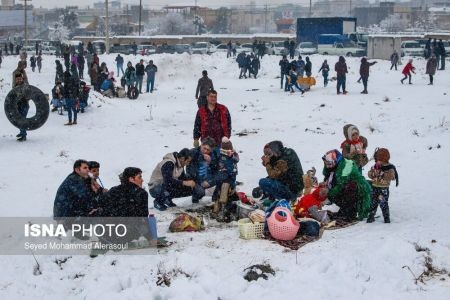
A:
{"x":226,"y":144}
{"x":332,"y":158}
{"x":382,"y":154}
{"x":349,"y":130}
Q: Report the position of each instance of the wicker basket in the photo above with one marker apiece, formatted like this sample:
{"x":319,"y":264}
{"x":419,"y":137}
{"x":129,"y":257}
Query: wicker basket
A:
{"x":249,"y":230}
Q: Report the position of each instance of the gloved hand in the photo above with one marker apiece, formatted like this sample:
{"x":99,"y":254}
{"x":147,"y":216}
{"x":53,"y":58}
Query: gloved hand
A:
{"x":196,"y":143}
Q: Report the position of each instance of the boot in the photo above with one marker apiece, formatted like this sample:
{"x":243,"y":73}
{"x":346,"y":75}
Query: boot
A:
{"x":371,"y":218}
{"x":216,"y":207}
{"x":68,"y":124}
{"x":386,"y":216}
{"x":223,"y":199}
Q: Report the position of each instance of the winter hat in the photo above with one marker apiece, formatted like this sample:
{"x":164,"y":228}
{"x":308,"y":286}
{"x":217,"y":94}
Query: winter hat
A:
{"x":332,"y":158}
{"x":226,"y":144}
{"x":273,"y":148}
{"x":205,"y":73}
{"x":349,"y":130}
{"x":382,"y":154}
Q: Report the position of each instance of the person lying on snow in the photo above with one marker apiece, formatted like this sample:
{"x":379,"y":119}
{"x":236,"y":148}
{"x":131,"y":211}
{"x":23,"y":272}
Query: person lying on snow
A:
{"x":348,"y":189}
{"x":169,"y":181}
{"x":284,"y":170}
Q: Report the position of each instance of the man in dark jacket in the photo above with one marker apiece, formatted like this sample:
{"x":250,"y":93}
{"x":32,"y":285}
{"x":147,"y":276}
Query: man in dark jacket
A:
{"x":364,"y":72}
{"x":255,"y":66}
{"x":169,"y":181}
{"x":284,"y":171}
{"x":308,"y":67}
{"x":119,"y":63}
{"x":204,"y":85}
{"x":128,"y":202}
{"x":74,"y":197}
{"x":341,"y":71}
{"x":128,"y":199}
{"x":284,"y":69}
{"x":81,"y":62}
{"x":212,"y":120}
{"x":151,"y":70}
{"x":22,"y":105}
{"x":71,"y":90}
{"x":140,"y":72}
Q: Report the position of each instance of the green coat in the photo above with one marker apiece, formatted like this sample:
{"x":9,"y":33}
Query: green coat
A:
{"x":346,"y":172}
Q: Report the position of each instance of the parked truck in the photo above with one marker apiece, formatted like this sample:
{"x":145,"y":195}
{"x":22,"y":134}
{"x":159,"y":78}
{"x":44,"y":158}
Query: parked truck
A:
{"x":337,"y":44}
{"x":309,"y":29}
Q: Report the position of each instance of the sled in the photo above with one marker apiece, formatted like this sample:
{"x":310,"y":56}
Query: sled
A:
{"x":306,"y":82}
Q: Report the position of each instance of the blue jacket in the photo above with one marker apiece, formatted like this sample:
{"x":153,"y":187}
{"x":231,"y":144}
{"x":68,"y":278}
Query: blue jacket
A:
{"x":200,"y":170}
{"x":73,"y":198}
{"x":106,"y":85}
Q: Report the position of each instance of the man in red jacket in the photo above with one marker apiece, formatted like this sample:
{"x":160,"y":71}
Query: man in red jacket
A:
{"x":213,"y":120}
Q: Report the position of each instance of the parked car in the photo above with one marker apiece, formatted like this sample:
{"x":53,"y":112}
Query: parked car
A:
{"x":30,"y":50}
{"x":48,"y":50}
{"x":345,"y":49}
{"x":411,"y":48}
{"x":183,"y":48}
{"x":202,"y":48}
{"x":277,"y":48}
{"x":447,"y":47}
{"x":221,"y":48}
{"x":306,"y":48}
{"x":146,"y":49}
{"x":166,"y":49}
{"x":245,"y":48}
{"x":122,"y":49}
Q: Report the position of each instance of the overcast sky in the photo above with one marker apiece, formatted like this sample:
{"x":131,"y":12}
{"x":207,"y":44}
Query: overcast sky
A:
{"x":160,"y":3}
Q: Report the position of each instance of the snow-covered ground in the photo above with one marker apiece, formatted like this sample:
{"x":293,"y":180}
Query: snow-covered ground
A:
{"x":365,"y":261}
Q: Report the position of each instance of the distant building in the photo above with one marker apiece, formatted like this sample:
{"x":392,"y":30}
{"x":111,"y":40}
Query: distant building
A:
{"x":7,"y":4}
{"x":373,"y":14}
{"x":12,"y":22}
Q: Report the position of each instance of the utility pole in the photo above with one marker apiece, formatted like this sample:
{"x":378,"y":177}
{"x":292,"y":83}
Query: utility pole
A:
{"x":107,"y":26}
{"x":350,"y":12}
{"x":310,"y":8}
{"x":195,"y":18}
{"x":265,"y":18}
{"x":128,"y":21}
{"x":26,"y":22}
{"x":140,"y":16}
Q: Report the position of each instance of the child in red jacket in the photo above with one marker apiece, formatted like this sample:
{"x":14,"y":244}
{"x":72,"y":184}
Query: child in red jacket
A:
{"x":407,"y":71}
{"x":308,"y":206}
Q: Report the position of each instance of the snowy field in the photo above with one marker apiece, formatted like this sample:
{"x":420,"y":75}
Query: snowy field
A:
{"x":365,"y":261}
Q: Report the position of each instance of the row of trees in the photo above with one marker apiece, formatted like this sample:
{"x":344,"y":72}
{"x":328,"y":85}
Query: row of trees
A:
{"x":171,"y":24}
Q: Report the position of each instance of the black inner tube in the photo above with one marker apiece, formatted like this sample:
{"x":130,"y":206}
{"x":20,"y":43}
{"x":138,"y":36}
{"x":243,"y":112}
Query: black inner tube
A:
{"x":23,"y":93}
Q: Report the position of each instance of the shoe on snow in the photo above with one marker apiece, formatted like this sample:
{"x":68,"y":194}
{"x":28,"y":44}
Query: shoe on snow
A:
{"x":22,"y":138}
{"x":159,"y":206}
{"x":169,"y":203}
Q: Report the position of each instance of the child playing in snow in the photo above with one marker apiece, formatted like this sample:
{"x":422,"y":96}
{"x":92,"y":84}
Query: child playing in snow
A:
{"x":407,"y":71}
{"x":309,"y":205}
{"x":382,"y":173}
{"x":354,"y":146}
{"x":226,"y":177}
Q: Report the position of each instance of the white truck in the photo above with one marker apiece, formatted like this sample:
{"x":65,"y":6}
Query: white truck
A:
{"x":336,"y":44}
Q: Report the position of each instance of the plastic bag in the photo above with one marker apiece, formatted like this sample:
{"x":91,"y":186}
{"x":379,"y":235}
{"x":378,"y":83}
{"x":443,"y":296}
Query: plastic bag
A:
{"x":185,"y":222}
